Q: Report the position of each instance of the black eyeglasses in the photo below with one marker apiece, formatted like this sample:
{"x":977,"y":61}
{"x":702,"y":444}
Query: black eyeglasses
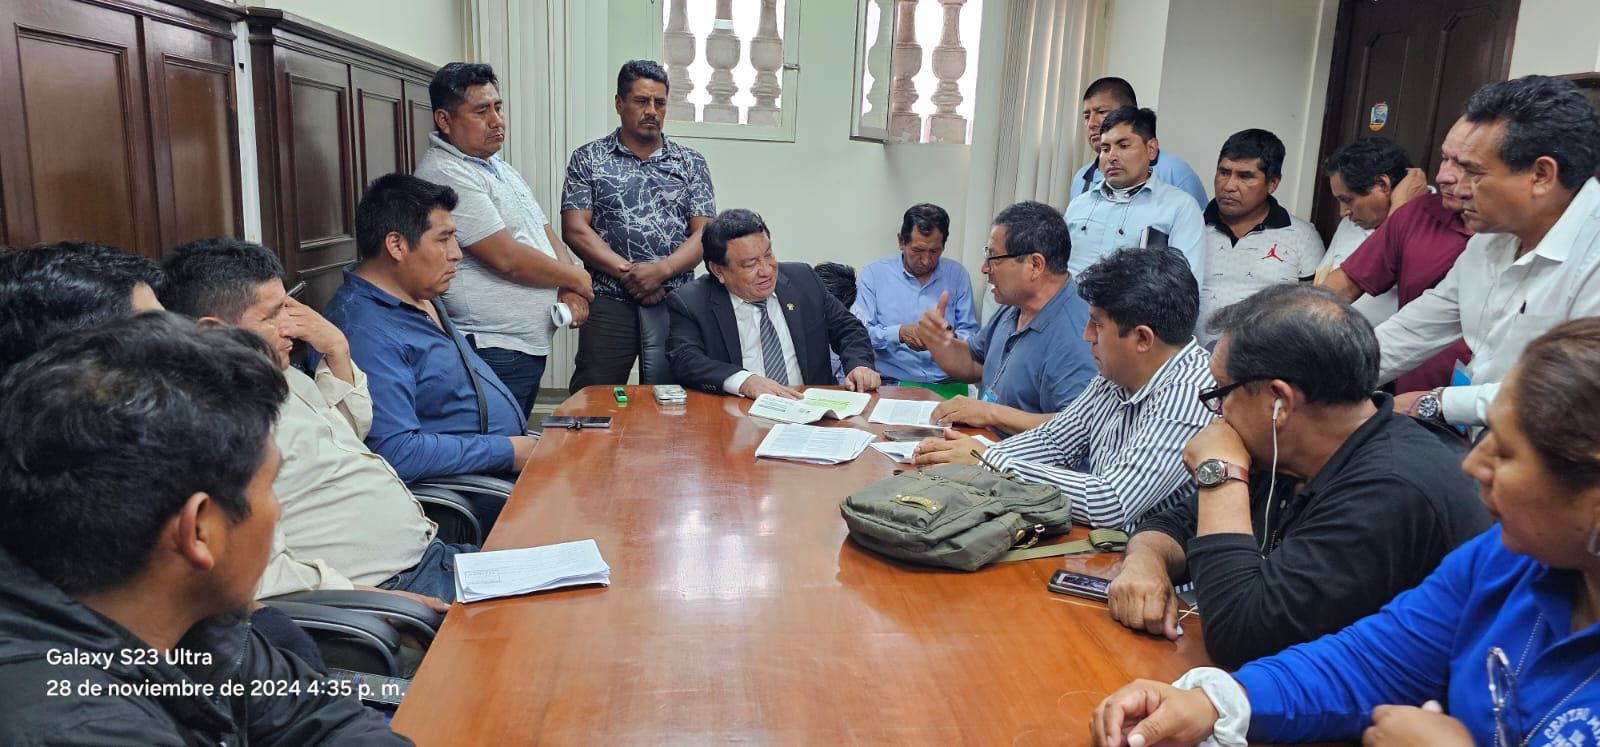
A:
{"x":1212,"y":398}
{"x":987,"y":258}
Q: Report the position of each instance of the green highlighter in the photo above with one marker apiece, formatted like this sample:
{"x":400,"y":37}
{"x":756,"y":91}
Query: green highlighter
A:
{"x":620,"y":394}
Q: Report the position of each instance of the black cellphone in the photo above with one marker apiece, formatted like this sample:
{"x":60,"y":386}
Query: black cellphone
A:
{"x":916,"y":433}
{"x":1079,"y":585}
{"x":578,"y":422}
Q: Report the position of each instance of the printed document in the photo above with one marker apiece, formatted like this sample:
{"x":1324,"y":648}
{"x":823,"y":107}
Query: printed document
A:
{"x":903,"y":412}
{"x":506,"y":573}
{"x":816,"y":405}
{"x":815,"y":444}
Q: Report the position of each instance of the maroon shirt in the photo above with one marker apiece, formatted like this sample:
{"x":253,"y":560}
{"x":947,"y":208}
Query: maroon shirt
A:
{"x":1413,"y":249}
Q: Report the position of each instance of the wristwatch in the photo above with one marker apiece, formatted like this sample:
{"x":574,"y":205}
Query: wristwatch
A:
{"x":1214,"y":472}
{"x":1430,"y":407}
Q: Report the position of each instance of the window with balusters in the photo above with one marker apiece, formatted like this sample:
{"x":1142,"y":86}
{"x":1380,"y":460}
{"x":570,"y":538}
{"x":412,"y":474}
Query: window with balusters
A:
{"x":733,"y":71}
{"x":909,"y":92}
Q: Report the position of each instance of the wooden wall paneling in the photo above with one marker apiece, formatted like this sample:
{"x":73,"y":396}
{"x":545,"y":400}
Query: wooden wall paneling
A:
{"x":79,"y":163}
{"x":380,"y":124}
{"x":320,"y":181}
{"x":419,"y":121}
{"x":194,"y":117}
{"x":333,"y":117}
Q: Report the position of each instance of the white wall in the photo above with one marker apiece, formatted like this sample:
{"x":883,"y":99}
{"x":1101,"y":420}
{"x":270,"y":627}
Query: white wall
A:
{"x":1234,"y":64}
{"x":826,"y":198}
{"x":1134,"y":48}
{"x":427,"y":29}
{"x":1556,"y":37}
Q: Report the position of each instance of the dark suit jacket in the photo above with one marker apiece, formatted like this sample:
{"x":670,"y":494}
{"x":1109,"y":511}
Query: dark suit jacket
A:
{"x":704,"y":343}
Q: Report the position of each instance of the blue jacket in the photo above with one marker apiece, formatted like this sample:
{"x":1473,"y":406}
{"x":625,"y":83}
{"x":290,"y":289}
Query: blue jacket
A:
{"x":1431,"y":643}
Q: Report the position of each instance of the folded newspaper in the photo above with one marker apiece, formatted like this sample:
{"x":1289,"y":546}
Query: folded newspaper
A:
{"x":507,"y":573}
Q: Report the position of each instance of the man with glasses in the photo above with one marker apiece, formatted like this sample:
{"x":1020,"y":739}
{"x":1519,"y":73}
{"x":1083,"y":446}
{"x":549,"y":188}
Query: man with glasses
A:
{"x":1030,"y":357}
{"x":894,"y":292}
{"x":1131,"y":422}
{"x":1317,"y":502}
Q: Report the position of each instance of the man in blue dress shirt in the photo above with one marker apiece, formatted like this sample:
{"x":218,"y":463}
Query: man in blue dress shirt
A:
{"x":437,"y":408}
{"x":1105,"y":96}
{"x":893,"y":292}
{"x":1132,"y":199}
{"x":1030,"y":357}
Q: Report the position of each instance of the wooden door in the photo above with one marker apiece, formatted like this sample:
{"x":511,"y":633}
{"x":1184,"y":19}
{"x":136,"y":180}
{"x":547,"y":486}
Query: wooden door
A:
{"x":1404,"y":69}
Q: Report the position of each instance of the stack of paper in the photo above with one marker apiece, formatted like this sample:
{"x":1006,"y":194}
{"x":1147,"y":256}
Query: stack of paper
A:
{"x":903,"y":412}
{"x":815,"y":444}
{"x":506,"y":573}
{"x":900,"y":451}
{"x":816,"y":405}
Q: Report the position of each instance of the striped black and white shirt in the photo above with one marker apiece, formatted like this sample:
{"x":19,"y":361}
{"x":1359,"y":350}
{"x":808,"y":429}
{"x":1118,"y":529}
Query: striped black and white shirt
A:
{"x":1132,"y":444}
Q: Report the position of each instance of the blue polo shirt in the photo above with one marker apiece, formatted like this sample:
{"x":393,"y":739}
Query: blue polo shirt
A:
{"x":887,"y":296}
{"x":1043,"y":367}
{"x":424,"y":411}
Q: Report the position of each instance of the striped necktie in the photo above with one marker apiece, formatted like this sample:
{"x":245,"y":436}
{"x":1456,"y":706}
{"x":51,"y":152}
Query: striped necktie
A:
{"x":771,"y":349}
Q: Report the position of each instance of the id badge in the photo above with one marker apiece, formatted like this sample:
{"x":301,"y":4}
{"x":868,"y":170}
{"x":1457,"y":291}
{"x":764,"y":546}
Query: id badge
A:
{"x":989,"y":395}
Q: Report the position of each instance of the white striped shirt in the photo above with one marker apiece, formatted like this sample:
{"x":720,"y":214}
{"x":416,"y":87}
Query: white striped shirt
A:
{"x":1133,"y":444}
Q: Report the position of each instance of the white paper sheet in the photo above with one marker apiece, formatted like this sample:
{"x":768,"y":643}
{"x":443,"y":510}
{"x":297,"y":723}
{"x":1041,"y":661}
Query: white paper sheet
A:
{"x":900,"y":451}
{"x":815,"y":444}
{"x":903,"y":412}
{"x":504,"y":573}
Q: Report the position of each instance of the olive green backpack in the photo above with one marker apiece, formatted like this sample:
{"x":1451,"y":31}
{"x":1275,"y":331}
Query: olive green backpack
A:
{"x":957,"y":516}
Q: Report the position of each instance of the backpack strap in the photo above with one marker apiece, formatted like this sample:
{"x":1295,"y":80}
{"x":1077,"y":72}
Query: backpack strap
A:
{"x":1103,"y":540}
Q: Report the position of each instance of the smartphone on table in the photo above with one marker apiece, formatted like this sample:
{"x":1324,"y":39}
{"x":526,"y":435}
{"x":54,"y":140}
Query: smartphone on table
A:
{"x":577,"y":422}
{"x":913,"y":433}
{"x":1080,"y":585}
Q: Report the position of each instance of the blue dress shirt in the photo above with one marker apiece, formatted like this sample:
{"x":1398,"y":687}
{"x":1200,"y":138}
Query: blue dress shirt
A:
{"x":1101,"y":225}
{"x":1042,"y":368}
{"x":1169,"y":168}
{"x":424,"y":411}
{"x":887,"y":296}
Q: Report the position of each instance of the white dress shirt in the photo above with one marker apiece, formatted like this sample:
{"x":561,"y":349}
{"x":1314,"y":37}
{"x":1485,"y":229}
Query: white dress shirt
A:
{"x":347,"y":517}
{"x":1498,"y":303}
{"x":1347,"y":238}
{"x":748,"y":319}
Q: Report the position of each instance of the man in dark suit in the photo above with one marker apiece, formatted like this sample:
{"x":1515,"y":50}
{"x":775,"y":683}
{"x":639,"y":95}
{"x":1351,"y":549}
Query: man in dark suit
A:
{"x":754,"y":326}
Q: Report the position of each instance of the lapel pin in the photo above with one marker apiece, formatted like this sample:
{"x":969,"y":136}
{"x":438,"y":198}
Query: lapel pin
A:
{"x":790,"y":306}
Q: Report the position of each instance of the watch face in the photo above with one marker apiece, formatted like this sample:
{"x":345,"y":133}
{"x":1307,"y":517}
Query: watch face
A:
{"x":1210,"y":472}
{"x":1428,"y":406}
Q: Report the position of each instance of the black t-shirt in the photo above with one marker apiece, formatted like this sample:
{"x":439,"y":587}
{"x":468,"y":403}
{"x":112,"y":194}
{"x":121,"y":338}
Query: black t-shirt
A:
{"x":1378,"y":518}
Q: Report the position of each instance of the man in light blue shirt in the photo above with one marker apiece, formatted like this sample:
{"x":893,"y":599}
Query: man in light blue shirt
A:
{"x":1116,"y":214}
{"x":1107,"y":95}
{"x":893,"y":292}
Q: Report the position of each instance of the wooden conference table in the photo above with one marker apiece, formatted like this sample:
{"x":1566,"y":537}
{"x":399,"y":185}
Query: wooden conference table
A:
{"x":739,"y":612}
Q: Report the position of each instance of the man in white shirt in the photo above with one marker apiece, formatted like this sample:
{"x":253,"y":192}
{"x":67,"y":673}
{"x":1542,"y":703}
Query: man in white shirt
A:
{"x":514,"y":268}
{"x":1132,"y":199}
{"x":1251,"y":241}
{"x":1534,"y":259}
{"x":348,"y":520}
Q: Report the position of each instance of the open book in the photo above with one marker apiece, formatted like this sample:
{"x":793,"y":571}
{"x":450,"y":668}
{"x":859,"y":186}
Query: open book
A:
{"x":816,"y":405}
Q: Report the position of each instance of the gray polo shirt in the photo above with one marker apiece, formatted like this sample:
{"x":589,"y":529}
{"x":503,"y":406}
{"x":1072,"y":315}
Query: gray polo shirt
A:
{"x":496,"y":311}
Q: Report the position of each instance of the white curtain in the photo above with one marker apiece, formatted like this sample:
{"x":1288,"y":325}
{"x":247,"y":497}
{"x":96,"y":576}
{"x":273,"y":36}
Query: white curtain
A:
{"x":552,"y":78}
{"x":1027,"y":136}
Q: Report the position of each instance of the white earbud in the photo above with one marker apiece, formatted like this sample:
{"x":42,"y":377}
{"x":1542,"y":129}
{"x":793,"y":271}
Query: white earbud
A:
{"x":1277,"y":405}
